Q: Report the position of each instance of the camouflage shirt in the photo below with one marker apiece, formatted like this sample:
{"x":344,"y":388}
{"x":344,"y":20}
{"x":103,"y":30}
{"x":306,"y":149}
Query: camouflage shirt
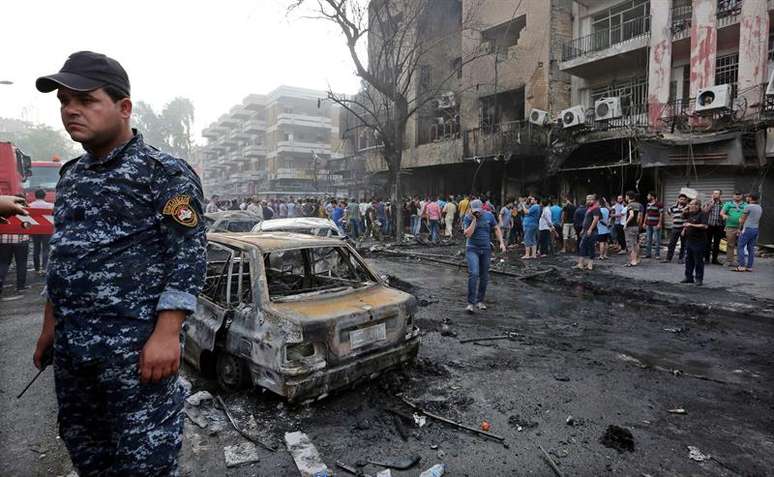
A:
{"x":128,"y":238}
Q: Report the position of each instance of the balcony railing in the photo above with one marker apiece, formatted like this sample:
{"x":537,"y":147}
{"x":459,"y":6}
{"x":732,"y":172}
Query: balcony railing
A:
{"x":632,"y":116}
{"x":604,"y":39}
{"x":503,"y":138}
{"x":447,"y":131}
{"x":728,"y":8}
{"x":681,"y":18}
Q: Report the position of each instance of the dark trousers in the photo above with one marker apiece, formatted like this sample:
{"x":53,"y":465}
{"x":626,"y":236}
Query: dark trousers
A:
{"x":545,"y":245}
{"x":40,"y":251}
{"x":714,"y":234}
{"x":694,"y":260}
{"x":17,"y":252}
{"x":620,"y":236}
{"x":676,"y":234}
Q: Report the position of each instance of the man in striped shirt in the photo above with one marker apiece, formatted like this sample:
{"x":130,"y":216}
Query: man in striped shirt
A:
{"x":654,"y":216}
{"x":676,"y":212}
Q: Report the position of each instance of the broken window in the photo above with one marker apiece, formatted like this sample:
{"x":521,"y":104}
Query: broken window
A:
{"x":216,"y":280}
{"x":503,"y":36}
{"x":499,"y":109}
{"x":313,"y":270}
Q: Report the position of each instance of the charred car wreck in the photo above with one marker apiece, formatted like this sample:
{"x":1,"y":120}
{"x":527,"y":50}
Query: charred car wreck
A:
{"x":298,"y":315}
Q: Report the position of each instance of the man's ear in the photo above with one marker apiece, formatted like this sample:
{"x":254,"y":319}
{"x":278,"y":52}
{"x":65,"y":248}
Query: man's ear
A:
{"x":125,"y":105}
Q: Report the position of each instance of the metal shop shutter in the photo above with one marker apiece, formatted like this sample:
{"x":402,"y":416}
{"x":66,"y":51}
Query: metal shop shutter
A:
{"x":703,"y":185}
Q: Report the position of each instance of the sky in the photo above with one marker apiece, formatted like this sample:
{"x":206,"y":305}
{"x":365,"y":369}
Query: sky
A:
{"x":214,"y":53}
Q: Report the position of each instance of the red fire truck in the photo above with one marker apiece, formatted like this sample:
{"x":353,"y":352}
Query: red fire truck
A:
{"x":20,"y":176}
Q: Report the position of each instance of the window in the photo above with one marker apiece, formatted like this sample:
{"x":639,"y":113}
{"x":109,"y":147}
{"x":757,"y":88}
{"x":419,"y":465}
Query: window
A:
{"x":424,"y":77}
{"x":456,"y":66}
{"x":633,"y":92}
{"x":505,"y":35}
{"x":622,"y":22}
{"x":228,"y":281}
{"x":727,"y":71}
{"x":313,"y":270}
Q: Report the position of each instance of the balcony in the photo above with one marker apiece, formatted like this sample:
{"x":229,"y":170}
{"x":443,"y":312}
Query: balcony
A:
{"x":633,"y":116}
{"x":306,"y":120}
{"x":254,"y":150}
{"x":285,"y":173}
{"x":254,"y":126}
{"x":303,"y":147}
{"x":240,"y":113}
{"x":213,"y":132}
{"x":515,"y":137}
{"x":630,"y":36}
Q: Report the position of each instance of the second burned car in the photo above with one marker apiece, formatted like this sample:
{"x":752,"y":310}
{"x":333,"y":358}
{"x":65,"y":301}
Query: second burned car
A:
{"x":296,"y":314}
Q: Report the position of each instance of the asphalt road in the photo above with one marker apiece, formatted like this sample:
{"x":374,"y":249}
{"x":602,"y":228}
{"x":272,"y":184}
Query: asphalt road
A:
{"x":605,"y":359}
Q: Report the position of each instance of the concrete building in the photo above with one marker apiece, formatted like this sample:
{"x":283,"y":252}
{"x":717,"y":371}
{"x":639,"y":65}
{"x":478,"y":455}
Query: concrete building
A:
{"x":494,"y":62}
{"x":670,"y":94}
{"x":274,"y":145}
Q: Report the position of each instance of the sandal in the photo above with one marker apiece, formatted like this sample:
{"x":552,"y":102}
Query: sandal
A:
{"x":739,"y":269}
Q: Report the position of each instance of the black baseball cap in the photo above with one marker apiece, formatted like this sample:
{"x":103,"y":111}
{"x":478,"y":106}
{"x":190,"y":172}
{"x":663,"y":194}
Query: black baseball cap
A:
{"x":86,"y":71}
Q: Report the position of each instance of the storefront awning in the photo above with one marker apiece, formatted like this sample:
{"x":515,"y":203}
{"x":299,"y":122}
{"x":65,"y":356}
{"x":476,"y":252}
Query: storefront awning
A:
{"x":707,"y":149}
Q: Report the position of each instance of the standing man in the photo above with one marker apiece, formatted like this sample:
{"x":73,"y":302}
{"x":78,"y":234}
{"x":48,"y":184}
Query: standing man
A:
{"x":449,"y":211}
{"x":569,"y":237}
{"x":620,"y":222}
{"x":40,"y":242}
{"x":433,"y":216}
{"x":255,"y":207}
{"x":676,"y":212}
{"x":14,"y":247}
{"x":212,"y":205}
{"x":632,"y":226}
{"x":588,"y":241}
{"x":478,"y":227}
{"x":731,"y":213}
{"x":751,"y":219}
{"x":353,"y":217}
{"x":654,"y":219}
{"x":128,"y":259}
{"x":715,"y":227}
{"x":695,"y":231}
{"x":506,"y":219}
{"x":292,"y":208}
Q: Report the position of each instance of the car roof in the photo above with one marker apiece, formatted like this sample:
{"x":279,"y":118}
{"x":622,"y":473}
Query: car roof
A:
{"x":296,"y":222}
{"x":232,"y":214}
{"x":272,"y":241}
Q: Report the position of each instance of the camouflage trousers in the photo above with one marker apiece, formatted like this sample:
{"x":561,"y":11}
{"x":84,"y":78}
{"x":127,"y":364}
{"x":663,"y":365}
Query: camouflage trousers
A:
{"x":112,"y":424}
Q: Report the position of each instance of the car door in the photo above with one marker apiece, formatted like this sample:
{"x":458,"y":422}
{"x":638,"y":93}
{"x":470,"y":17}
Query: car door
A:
{"x":213,"y":303}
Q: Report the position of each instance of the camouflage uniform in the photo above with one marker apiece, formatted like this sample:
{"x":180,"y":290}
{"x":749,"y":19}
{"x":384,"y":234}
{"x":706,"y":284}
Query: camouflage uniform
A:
{"x":128,"y":243}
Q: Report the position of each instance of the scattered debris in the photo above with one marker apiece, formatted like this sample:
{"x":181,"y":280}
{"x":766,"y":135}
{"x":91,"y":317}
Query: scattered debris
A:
{"x":400,"y":427}
{"x":485,"y":426}
{"x":562,"y":378}
{"x":305,"y":455}
{"x":520,"y":424}
{"x":618,"y":438}
{"x":678,"y":411}
{"x":198,"y":398}
{"x":508,"y":336}
{"x":420,"y":420}
{"x":676,"y":372}
{"x":242,"y":453}
{"x":196,"y":417}
{"x":570,"y":420}
{"x":435,"y":471}
{"x":551,"y":462}
{"x":398,"y":463}
{"x":384,"y":473}
{"x":452,"y":423}
{"x":675,"y":330}
{"x":695,"y":454}
{"x":446,"y":331}
{"x":239,"y":430}
{"x":341,"y":465}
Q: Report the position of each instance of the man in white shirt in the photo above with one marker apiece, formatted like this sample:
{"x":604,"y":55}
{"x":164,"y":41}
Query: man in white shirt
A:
{"x":40,"y":242}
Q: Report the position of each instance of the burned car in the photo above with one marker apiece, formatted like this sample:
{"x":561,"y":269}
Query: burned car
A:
{"x":296,"y":314}
{"x":302,"y":225}
{"x":231,"y":221}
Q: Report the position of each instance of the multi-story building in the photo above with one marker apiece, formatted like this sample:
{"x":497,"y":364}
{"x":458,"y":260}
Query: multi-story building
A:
{"x":274,"y":145}
{"x":493,"y":62}
{"x":667,"y":94}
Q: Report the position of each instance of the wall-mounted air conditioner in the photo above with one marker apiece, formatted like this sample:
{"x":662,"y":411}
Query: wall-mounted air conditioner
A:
{"x":607,"y":108}
{"x":713,"y":98}
{"x":538,"y":116}
{"x":446,"y":100}
{"x":574,"y":116}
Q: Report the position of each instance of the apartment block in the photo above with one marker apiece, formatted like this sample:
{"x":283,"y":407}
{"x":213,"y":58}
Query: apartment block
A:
{"x":667,"y":94}
{"x":274,"y":145}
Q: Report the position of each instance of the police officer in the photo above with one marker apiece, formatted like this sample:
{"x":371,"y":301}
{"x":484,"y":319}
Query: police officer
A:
{"x":127,"y":263}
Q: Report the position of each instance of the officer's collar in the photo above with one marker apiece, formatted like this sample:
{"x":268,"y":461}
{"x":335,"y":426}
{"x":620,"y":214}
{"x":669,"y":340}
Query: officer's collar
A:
{"x":125,"y":149}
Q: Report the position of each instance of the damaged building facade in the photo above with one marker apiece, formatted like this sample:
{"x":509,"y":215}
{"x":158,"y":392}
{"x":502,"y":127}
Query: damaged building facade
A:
{"x":667,"y":94}
{"x":274,"y":145}
{"x":499,"y":60}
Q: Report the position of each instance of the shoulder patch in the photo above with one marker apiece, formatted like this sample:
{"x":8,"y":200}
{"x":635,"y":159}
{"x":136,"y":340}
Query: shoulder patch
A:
{"x":180,"y":210}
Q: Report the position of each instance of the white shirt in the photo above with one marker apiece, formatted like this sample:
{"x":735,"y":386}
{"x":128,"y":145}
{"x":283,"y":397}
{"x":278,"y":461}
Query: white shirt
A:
{"x":41,"y":204}
{"x":620,"y":209}
{"x":545,"y":219}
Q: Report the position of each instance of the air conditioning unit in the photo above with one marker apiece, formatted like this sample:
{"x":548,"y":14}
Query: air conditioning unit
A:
{"x":607,"y":108}
{"x":713,"y":98}
{"x":446,"y":101}
{"x":574,"y":116}
{"x":538,"y":116}
{"x":770,"y":86}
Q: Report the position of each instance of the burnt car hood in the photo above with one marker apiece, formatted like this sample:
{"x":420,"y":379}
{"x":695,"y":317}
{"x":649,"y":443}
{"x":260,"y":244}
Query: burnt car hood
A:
{"x":369,"y":300}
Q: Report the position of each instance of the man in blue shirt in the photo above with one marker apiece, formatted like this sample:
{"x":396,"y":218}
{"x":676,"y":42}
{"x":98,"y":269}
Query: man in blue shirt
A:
{"x":478,"y":227}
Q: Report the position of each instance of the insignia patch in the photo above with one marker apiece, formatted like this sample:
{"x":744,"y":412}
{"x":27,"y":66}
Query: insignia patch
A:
{"x":179,"y":209}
